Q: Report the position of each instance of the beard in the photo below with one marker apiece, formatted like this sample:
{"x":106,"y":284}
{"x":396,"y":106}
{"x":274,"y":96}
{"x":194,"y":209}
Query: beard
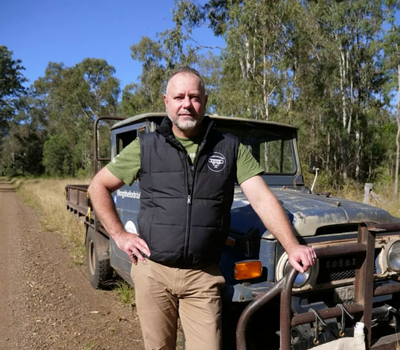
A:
{"x":187,"y":123}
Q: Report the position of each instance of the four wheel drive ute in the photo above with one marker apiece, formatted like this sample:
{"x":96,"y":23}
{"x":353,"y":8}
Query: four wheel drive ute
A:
{"x":358,"y":246}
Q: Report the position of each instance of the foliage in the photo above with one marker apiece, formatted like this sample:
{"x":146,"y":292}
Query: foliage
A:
{"x":329,"y":67}
{"x":317,"y":65}
{"x":70,"y":99}
{"x":146,"y":96}
{"x":11,"y":80}
{"x":15,"y":158}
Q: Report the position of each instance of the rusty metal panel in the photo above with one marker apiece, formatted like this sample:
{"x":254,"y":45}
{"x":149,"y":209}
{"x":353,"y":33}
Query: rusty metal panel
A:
{"x":77,"y":199}
{"x":286,"y":296}
{"x":389,"y":342}
{"x":326,"y":313}
{"x":388,"y":289}
{"x":365,"y":279}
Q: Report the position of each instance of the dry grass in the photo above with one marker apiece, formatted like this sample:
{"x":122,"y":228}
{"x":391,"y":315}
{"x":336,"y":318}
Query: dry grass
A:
{"x":354,"y":191}
{"x":385,"y":193}
{"x":48,"y":197}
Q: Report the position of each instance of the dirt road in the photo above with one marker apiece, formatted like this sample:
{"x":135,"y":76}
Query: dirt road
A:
{"x":46,"y":301}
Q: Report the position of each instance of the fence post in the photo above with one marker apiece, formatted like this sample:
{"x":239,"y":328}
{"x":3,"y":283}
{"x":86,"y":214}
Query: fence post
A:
{"x":367,"y":192}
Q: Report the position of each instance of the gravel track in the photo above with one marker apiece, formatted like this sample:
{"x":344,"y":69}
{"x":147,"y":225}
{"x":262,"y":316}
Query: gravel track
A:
{"x":46,"y":301}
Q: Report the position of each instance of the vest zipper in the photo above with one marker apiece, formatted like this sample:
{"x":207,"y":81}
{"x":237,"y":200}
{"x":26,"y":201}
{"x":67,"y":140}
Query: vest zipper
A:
{"x":190,"y":193}
{"x":189,"y":187}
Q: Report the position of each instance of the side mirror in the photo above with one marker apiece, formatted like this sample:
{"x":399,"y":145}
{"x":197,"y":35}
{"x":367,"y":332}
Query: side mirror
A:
{"x":314,"y":167}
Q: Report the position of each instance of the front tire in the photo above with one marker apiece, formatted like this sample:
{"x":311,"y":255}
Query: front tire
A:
{"x":98,"y":265}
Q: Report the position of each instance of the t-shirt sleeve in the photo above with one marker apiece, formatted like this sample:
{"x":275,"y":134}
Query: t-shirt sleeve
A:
{"x":246,"y":165}
{"x":126,"y":165}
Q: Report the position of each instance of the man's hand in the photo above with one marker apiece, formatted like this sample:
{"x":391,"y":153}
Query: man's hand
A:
{"x":301,"y":257}
{"x":274,"y":218}
{"x":132,"y":245}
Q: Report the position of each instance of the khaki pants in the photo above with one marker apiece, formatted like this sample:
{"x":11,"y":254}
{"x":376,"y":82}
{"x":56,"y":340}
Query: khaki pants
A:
{"x":163,"y":292}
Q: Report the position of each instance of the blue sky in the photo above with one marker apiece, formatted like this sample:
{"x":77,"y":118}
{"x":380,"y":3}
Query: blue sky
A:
{"x":43,"y":31}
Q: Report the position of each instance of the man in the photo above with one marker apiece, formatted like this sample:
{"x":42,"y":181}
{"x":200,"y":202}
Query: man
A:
{"x":184,"y":216}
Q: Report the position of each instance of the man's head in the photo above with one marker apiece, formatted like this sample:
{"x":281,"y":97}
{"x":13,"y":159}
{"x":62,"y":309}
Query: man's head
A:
{"x":185,"y":101}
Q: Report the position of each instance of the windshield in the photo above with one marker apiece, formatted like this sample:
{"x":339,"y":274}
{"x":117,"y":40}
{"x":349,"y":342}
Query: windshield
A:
{"x":273,"y":151}
{"x":272,"y":145}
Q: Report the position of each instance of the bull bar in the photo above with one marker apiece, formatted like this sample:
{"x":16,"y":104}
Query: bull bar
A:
{"x":364,"y":292}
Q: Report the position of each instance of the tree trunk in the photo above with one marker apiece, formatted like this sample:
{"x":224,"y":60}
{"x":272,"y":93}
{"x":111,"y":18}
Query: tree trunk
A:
{"x":328,"y":151}
{"x":344,"y":144}
{"x":396,"y":173}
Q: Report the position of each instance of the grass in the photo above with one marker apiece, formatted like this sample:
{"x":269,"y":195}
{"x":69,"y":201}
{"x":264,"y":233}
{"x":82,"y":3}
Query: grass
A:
{"x":354,"y":191}
{"x":48,"y":197}
{"x":388,"y":202}
{"x":125,"y":293}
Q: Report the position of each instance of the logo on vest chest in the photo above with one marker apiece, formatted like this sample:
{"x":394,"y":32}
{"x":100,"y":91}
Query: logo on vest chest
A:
{"x":216,"y":162}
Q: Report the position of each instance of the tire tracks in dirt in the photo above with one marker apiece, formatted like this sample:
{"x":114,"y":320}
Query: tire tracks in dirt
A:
{"x":46,"y":301}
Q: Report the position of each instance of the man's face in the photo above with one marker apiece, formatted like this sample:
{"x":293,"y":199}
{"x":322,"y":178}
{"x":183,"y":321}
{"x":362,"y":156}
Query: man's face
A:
{"x":185,"y":101}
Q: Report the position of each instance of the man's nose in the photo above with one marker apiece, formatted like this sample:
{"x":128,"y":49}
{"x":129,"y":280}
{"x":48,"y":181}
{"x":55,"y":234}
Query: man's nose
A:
{"x":187,"y":103}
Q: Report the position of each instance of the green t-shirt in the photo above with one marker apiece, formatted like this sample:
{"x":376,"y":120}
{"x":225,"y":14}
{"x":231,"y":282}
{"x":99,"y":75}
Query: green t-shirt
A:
{"x":126,"y":165}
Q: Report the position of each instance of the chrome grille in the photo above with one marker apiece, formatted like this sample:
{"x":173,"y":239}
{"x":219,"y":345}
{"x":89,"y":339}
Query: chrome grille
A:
{"x":338,"y":274}
{"x":339,"y":268}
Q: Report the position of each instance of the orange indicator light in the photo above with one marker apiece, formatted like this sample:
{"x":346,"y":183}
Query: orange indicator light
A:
{"x":248,"y":269}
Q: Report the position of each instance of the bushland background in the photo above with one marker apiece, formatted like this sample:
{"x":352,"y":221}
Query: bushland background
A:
{"x":331,"y":68}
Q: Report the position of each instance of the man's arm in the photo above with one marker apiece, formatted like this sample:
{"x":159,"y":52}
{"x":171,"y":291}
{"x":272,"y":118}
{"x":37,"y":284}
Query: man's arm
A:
{"x":274,"y":218}
{"x":100,"y":195}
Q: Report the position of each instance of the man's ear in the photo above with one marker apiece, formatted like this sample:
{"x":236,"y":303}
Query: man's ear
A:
{"x":165,"y":100}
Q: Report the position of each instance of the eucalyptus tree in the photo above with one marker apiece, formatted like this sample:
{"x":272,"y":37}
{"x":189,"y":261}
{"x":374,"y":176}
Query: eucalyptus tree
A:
{"x":157,"y":65}
{"x":11,"y":87}
{"x":147,"y":95}
{"x":71,"y":98}
{"x":253,"y":62}
{"x":312,"y":63}
{"x":391,"y":47}
{"x":350,"y":77}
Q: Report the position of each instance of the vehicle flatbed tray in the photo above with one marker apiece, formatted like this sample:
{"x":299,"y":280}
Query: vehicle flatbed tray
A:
{"x":77,"y":201}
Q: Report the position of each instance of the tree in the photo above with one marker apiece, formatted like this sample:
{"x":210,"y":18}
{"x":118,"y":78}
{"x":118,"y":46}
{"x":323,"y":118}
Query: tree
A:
{"x":146,"y":96}
{"x":11,"y":80}
{"x":71,"y":98}
{"x":391,"y":46}
{"x":22,"y":148}
{"x":312,"y":63}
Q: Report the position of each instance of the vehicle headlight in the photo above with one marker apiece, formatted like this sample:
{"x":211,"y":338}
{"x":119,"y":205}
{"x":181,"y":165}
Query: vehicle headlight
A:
{"x":304,"y":280}
{"x":393,"y":257}
{"x":301,"y":278}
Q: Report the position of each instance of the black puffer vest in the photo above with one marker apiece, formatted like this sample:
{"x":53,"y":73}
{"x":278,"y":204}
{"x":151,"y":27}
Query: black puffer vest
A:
{"x":185,"y":214}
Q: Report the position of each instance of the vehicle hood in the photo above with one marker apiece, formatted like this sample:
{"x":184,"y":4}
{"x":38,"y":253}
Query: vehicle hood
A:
{"x":307,"y":212}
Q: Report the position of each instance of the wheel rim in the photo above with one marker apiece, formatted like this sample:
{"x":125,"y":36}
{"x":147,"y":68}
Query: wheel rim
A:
{"x":92,"y":258}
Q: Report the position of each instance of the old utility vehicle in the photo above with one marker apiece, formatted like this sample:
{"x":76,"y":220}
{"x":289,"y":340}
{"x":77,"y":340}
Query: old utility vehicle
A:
{"x":356,"y":277}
